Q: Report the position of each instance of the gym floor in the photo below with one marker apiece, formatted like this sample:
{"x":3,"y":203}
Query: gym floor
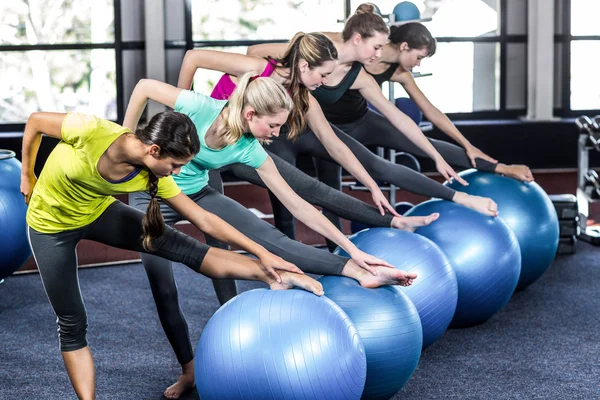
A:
{"x":543,"y":344}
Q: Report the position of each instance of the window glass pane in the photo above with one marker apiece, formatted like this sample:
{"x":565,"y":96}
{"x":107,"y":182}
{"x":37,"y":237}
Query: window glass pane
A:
{"x":263,"y":19}
{"x":56,"y":21}
{"x":584,"y":17}
{"x":451,"y":18}
{"x":465,"y":77}
{"x":585,"y":81}
{"x":204,"y":79}
{"x":59,"y":81}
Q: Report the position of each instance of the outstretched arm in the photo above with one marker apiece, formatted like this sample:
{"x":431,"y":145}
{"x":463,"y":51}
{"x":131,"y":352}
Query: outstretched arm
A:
{"x":38,"y":123}
{"x":311,"y":216}
{"x":343,"y":155}
{"x":148,"y":89}
{"x":229,"y":63}
{"x":371,"y":92}
{"x":267,"y":50}
{"x":214,"y":226}
{"x":438,"y":118}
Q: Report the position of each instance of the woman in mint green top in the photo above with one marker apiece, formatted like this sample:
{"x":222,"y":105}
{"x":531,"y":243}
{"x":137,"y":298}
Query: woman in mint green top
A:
{"x":230,"y":133}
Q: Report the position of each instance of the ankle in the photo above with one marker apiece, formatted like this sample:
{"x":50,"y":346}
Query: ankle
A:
{"x":188,"y":368}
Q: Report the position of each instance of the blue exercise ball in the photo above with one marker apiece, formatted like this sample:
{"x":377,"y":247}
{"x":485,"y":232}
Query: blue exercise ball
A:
{"x":406,"y":11}
{"x":410,"y":108}
{"x":356,"y":226}
{"x":389,"y":326}
{"x":403,"y":206}
{"x":434,"y":292}
{"x":529,"y":212}
{"x":269,"y":344}
{"x":15,"y":248}
{"x":484,"y":254}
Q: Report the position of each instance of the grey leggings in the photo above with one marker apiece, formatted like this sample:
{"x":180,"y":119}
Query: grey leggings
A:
{"x":317,"y":193}
{"x":119,"y":226}
{"x":372,"y":129}
{"x":160,"y":273}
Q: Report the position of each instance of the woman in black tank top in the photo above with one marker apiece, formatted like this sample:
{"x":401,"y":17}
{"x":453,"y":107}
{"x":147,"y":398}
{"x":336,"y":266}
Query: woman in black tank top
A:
{"x":409,"y":44}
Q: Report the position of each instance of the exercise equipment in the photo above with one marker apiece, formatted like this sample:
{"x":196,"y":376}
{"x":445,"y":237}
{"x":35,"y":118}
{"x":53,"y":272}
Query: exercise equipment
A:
{"x":588,"y":186}
{"x":527,"y":210}
{"x":435,"y":290}
{"x":406,"y":11}
{"x":389,"y":326}
{"x":403,"y":206}
{"x":410,"y":108}
{"x":565,"y":206}
{"x":270,"y":344}
{"x":15,"y":248}
{"x":484,"y":254}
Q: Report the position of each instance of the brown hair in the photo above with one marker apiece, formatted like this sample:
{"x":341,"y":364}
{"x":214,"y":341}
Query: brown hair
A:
{"x":416,"y":35}
{"x":316,"y":49}
{"x":365,"y":22}
{"x":176,"y":135}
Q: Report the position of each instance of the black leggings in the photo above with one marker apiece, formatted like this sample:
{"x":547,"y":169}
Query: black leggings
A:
{"x":160,"y":272}
{"x":372,"y":129}
{"x":119,"y":226}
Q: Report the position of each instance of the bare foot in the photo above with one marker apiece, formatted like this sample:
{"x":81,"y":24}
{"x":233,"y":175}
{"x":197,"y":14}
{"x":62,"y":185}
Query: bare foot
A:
{"x":386,"y":276}
{"x":290,"y":279}
{"x":484,"y":205}
{"x":185,"y":382}
{"x":519,"y":172}
{"x":409,"y":224}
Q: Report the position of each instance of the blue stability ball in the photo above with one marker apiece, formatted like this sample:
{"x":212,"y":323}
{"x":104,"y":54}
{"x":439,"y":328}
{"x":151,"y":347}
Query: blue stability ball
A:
{"x":434,"y":292}
{"x":410,"y":108}
{"x":484,"y":254}
{"x":267,"y":344}
{"x":13,"y":228}
{"x":358,"y":226}
{"x":526,"y":208}
{"x":406,"y":11}
{"x":403,"y":206}
{"x":390,"y":329}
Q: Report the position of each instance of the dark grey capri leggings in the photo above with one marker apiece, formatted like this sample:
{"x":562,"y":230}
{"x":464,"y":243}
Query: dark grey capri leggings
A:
{"x":119,"y":226}
{"x":314,"y":192}
{"x":160,"y":272}
{"x":372,"y":129}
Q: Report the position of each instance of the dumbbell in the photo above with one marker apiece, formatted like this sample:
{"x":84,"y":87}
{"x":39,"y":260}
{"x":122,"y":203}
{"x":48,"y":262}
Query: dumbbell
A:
{"x":592,"y":187}
{"x":586,"y":125}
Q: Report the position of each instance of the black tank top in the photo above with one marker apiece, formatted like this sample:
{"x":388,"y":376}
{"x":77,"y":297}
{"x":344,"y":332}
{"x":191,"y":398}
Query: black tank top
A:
{"x":340,"y":104}
{"x":385,"y":75}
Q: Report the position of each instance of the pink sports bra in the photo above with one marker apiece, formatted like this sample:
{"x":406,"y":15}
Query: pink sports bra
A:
{"x":225,"y":87}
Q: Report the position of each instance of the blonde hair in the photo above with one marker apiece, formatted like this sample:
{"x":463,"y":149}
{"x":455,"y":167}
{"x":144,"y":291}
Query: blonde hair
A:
{"x":263,"y":94}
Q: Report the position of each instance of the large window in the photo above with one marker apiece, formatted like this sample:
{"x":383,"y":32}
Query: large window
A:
{"x":57,"y":55}
{"x":584,"y":55}
{"x":466,"y":77}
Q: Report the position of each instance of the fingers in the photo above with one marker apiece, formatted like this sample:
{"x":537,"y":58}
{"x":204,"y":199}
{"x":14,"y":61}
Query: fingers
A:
{"x":380,"y":207}
{"x":379,"y":262}
{"x":367,"y":267}
{"x":459,"y":179}
{"x":391,"y":209}
{"x":473,"y":163}
{"x":272,"y":273}
{"x":288,"y":266}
